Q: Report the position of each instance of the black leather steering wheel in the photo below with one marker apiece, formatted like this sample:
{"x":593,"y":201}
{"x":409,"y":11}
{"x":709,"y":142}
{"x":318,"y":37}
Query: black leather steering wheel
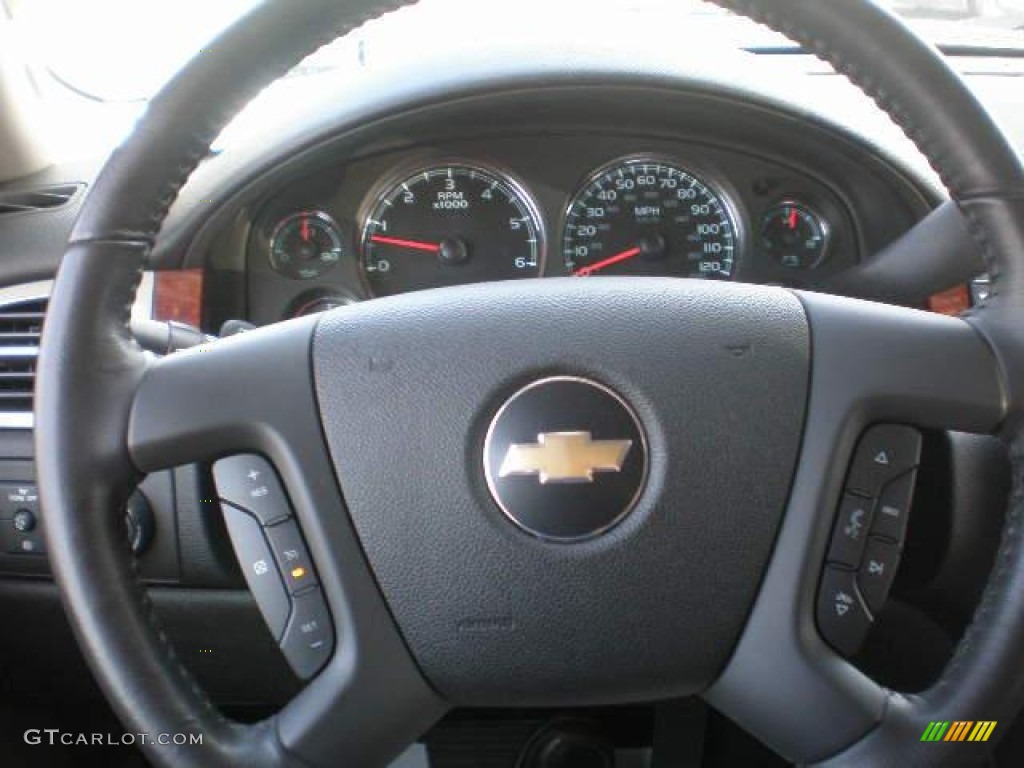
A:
{"x":437,"y":600}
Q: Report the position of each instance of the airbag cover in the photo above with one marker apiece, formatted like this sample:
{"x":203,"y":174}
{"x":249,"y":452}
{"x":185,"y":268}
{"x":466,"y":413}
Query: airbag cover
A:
{"x":717,"y":375}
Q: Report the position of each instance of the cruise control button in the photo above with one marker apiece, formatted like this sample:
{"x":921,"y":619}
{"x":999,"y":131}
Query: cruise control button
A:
{"x":258,"y":567}
{"x":851,"y":530}
{"x":292,"y":558}
{"x":893,"y":508}
{"x":884,"y":452}
{"x":877,"y":571}
{"x":843,"y":618}
{"x":309,"y":640}
{"x":248,"y":481}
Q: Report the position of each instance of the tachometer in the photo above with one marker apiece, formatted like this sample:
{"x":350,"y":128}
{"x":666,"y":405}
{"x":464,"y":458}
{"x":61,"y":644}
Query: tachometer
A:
{"x":645,"y":216}
{"x":450,"y":225}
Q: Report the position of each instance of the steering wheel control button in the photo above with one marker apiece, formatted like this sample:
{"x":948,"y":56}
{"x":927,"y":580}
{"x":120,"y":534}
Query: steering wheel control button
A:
{"x":249,"y":482}
{"x":851,"y":530}
{"x":884,"y":452}
{"x":877,"y":571}
{"x":894,"y":508}
{"x":843,"y":618}
{"x":258,"y":567}
{"x":864,"y":551}
{"x":292,"y":558}
{"x":565,"y":459}
{"x":309,"y":639}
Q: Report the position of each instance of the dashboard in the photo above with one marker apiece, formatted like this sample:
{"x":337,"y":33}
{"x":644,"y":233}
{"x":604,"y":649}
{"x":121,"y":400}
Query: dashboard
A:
{"x":573,"y":205}
{"x":559,"y":182}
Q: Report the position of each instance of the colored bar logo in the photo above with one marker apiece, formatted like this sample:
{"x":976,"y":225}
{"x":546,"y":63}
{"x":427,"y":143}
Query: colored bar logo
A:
{"x":959,"y":730}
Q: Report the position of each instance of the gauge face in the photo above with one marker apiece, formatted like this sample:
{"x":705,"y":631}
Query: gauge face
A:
{"x":644,"y":216}
{"x":305,"y":245}
{"x":794,"y":236}
{"x":450,"y":225}
{"x":316,"y":303}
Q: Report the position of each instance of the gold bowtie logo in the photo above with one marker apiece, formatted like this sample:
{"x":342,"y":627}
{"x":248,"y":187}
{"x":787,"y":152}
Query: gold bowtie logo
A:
{"x":565,"y":457}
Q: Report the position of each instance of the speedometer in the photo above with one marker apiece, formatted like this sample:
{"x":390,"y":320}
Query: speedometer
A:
{"x":645,"y":216}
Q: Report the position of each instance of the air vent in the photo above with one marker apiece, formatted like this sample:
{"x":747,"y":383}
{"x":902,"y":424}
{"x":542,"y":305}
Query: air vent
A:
{"x":21,"y":324}
{"x":40,"y":199}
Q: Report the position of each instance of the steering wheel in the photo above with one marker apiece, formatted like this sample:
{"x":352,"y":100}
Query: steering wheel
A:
{"x":739,"y":408}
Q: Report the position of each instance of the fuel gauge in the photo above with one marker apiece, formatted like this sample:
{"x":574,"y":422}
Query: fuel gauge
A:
{"x":794,"y":236}
{"x":305,"y":245}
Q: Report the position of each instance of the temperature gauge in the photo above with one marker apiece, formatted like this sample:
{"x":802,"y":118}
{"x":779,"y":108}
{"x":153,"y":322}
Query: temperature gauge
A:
{"x":305,"y":245}
{"x":794,"y":236}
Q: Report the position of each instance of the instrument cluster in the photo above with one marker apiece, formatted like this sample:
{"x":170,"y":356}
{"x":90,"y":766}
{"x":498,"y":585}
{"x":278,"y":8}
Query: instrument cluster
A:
{"x":415,"y":220}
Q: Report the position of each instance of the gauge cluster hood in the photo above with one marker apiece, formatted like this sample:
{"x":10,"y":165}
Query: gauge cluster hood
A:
{"x":325,"y":108}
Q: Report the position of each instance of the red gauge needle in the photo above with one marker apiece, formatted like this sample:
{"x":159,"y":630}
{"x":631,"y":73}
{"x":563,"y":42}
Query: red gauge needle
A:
{"x":599,"y":265}
{"x":417,"y":245}
{"x":792,"y":218}
{"x":304,"y":231}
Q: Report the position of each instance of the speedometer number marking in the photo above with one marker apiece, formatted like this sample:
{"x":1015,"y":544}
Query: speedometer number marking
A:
{"x":640,"y":216}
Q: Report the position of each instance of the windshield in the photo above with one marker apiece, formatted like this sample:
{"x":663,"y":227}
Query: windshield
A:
{"x":957,"y":9}
{"x":124,"y":50}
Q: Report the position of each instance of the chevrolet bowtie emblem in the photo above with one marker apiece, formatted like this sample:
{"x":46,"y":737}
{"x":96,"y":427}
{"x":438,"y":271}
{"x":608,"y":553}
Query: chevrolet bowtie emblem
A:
{"x":548,"y":488}
{"x":565,"y":457}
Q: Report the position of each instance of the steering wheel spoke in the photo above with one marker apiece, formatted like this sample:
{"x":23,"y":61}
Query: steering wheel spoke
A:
{"x":871,"y":364}
{"x":251,"y":394}
{"x":875,"y":362}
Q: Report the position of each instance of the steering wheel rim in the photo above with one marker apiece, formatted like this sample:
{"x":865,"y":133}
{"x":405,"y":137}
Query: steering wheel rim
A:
{"x":94,"y":381}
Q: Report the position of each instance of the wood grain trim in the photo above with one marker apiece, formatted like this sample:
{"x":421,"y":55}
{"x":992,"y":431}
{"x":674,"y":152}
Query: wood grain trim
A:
{"x":178,"y":296}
